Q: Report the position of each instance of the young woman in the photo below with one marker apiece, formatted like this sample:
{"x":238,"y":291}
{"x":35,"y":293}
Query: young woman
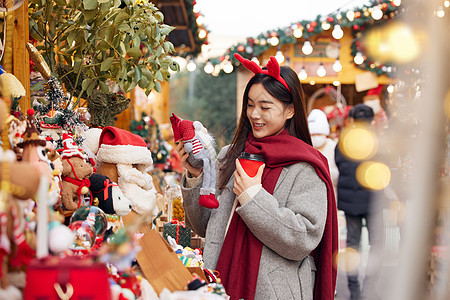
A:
{"x":274,"y":235}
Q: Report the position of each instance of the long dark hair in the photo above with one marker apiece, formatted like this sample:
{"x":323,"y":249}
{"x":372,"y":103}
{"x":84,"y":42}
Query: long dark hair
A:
{"x":297,"y":126}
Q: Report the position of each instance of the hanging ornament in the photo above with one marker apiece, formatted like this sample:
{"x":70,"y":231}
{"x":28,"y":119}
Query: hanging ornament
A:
{"x":241,"y":48}
{"x":337,"y":32}
{"x":330,"y":19}
{"x":302,"y":75}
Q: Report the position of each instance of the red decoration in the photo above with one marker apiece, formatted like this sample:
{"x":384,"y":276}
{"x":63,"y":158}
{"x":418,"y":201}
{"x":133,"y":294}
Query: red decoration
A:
{"x":310,"y":29}
{"x":384,"y":6}
{"x":330,"y":19}
{"x":241,"y":48}
{"x":357,"y":14}
{"x":313,"y":23}
{"x":30,"y":111}
{"x":139,"y":127}
{"x":274,"y":33}
{"x":355,"y":27}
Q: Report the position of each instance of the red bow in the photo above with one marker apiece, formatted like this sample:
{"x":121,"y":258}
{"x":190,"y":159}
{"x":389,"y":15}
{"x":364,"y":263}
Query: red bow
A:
{"x":273,"y":68}
{"x":108,"y":183}
{"x":178,"y":223}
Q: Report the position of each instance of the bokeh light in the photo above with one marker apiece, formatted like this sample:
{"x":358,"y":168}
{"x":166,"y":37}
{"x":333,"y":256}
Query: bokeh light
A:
{"x":348,"y":259}
{"x":358,"y":143}
{"x":373,"y":175}
{"x":395,"y":42}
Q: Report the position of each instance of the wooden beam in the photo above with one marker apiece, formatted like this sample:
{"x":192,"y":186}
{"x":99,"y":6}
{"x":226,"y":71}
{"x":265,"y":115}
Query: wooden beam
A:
{"x":21,"y":60}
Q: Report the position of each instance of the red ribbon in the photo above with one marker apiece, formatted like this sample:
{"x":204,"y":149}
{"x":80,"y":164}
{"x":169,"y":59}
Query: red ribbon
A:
{"x":178,"y":223}
{"x":108,"y":183}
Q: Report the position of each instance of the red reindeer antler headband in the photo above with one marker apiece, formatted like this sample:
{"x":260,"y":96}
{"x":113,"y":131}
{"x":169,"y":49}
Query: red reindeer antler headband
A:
{"x":273,"y":68}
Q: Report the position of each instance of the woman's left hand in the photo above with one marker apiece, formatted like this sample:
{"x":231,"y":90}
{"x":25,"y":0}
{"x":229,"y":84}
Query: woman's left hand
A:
{"x":242,"y":181}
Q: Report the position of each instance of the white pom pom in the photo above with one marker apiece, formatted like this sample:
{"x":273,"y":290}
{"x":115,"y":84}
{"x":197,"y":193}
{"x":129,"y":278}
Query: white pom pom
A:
{"x":60,"y":238}
{"x":198,"y":125}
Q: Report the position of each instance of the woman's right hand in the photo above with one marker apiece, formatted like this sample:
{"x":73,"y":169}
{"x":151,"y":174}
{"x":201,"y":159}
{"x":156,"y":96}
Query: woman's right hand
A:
{"x":195,"y":172}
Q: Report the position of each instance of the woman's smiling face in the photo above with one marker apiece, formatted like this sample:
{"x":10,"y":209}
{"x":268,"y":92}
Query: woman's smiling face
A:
{"x":267,"y":115}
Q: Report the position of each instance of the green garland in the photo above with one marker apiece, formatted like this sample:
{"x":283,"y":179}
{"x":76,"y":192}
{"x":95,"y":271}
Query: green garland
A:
{"x":256,"y":46}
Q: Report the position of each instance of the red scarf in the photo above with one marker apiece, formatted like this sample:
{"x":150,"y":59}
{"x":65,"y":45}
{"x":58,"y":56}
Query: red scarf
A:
{"x":240,"y":256}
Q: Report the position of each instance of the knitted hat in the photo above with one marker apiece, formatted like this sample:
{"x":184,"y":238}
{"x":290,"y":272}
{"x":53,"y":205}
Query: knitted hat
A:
{"x":71,"y":149}
{"x":318,"y":122}
{"x":362,"y":112}
{"x":31,"y":134}
{"x":187,"y":130}
{"x":182,"y":129}
{"x":118,"y":146}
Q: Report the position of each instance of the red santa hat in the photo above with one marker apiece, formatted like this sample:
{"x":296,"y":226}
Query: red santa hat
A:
{"x":175,"y":121}
{"x":182,"y":129}
{"x":118,"y":146}
{"x":71,"y":149}
{"x":374,"y":93}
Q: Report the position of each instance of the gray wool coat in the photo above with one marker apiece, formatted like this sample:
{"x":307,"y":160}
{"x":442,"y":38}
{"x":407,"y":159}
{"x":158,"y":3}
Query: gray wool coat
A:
{"x":289,"y":223}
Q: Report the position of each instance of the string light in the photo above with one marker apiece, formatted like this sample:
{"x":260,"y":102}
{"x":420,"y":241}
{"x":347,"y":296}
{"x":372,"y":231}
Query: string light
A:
{"x":321,"y":72}
{"x":302,"y":75}
{"x":390,"y":88}
{"x":312,"y":82}
{"x":255,"y":59}
{"x":447,"y":3}
{"x":337,"y":66}
{"x":326,"y":25}
{"x":202,"y":33}
{"x":196,"y":8}
{"x":377,"y":14}
{"x":337,"y":32}
{"x":228,"y":68}
{"x":440,"y":13}
{"x":359,"y":58}
{"x":307,"y":48}
{"x":279,"y":56}
{"x":191,"y":66}
{"x":200,"y":20}
{"x":336,"y":83}
{"x":209,"y":68}
{"x":350,"y":15}
{"x":396,"y":2}
{"x":298,"y":32}
{"x":274,"y":41}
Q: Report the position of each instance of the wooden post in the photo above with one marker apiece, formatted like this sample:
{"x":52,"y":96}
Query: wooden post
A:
{"x":21,"y":60}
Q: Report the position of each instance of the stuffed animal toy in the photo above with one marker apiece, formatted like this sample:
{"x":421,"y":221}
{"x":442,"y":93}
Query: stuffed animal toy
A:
{"x":109,"y":195}
{"x":91,"y":139}
{"x":75,"y":174}
{"x":200,"y":146}
{"x":125,"y":156}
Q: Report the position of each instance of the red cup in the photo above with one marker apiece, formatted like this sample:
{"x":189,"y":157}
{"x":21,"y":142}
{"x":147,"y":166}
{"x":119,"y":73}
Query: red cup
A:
{"x":250,"y":163}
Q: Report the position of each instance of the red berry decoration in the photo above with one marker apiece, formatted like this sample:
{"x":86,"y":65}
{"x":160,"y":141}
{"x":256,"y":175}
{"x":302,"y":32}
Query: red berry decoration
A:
{"x":313,"y":23}
{"x":310,"y":29}
{"x":357,"y":14}
{"x":384,"y":6}
{"x":355,"y":27}
{"x":330,"y":19}
{"x":241,"y":48}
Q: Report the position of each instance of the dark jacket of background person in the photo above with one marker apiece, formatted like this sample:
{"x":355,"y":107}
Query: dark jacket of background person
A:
{"x":353,"y":199}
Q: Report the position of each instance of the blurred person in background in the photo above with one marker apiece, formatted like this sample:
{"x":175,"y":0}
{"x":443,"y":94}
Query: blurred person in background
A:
{"x":319,"y":128}
{"x":357,"y":203}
